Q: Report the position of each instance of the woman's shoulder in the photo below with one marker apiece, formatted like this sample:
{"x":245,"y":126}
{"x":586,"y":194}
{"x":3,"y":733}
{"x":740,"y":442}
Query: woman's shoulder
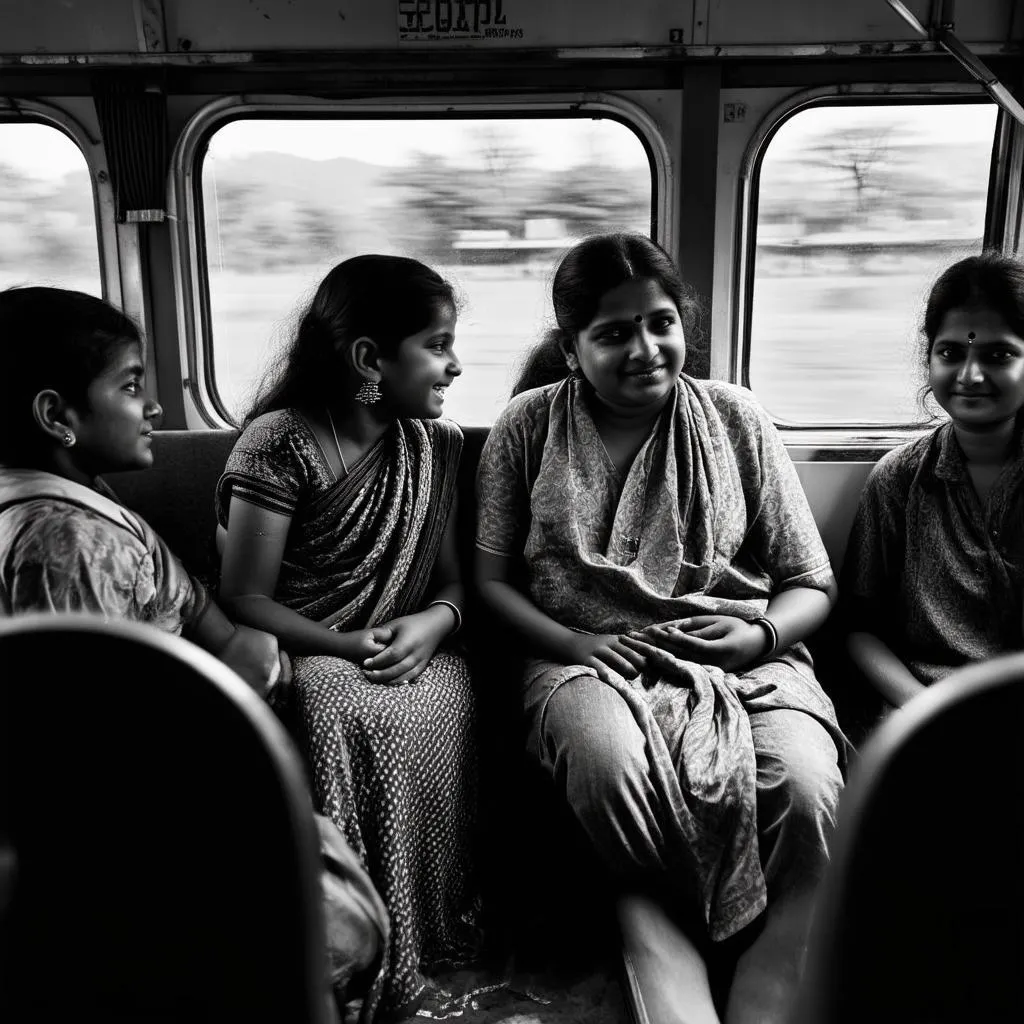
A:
{"x":49,"y":531}
{"x":278,"y":441}
{"x":270,"y":429}
{"x":742,"y":414}
{"x":898,"y":467}
{"x":529,"y":408}
{"x":730,"y":397}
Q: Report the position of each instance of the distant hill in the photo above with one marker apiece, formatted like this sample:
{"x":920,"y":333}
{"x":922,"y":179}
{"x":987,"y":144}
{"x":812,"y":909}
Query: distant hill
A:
{"x":341,"y":183}
{"x":342,"y":193}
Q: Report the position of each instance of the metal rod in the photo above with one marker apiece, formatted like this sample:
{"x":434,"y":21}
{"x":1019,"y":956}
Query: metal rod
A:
{"x":909,"y":17}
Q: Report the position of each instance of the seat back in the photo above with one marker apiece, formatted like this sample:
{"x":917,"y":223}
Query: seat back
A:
{"x":166,"y":863}
{"x":921,"y":917}
{"x":176,"y":496}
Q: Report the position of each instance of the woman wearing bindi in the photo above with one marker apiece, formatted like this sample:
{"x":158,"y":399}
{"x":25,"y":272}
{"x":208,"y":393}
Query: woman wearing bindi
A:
{"x":934,"y":570}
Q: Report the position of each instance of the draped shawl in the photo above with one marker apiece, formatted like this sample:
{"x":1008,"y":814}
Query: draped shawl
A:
{"x":710,"y":518}
{"x":360,"y":549}
{"x":68,"y":547}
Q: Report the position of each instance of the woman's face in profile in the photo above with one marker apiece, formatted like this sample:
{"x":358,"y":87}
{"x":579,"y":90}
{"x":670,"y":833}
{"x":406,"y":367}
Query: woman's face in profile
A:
{"x":633,"y":350}
{"x":113,"y":429}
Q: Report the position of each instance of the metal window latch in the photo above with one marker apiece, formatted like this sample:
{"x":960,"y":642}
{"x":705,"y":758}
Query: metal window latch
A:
{"x":943,"y":34}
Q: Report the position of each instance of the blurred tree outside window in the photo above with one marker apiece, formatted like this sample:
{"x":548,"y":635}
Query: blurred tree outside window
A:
{"x":489,"y":203}
{"x":48,"y":230}
{"x":859,"y":209}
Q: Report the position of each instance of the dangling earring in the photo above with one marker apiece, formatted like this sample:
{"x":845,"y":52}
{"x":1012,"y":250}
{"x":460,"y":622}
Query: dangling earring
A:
{"x":368,"y":393}
{"x":69,"y":439}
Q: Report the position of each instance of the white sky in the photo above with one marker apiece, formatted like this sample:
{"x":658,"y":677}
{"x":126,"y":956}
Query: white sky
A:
{"x":968,"y":123}
{"x":39,"y":150}
{"x":42,"y":151}
{"x":546,"y":143}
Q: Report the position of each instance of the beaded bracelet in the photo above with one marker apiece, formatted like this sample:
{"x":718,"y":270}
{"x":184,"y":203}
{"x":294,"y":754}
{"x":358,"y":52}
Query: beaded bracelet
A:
{"x":773,"y":634}
{"x":455,"y":612}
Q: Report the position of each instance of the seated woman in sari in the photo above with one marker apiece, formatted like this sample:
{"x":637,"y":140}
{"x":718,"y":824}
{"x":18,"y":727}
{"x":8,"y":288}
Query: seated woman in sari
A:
{"x":339,"y":506}
{"x":933,"y":577}
{"x":672,"y":568}
{"x":73,"y":405}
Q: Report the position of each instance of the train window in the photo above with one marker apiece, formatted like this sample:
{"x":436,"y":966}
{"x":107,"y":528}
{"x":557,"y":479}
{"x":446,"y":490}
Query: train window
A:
{"x":859,"y":208}
{"x":48,"y":230}
{"x":490,"y":203}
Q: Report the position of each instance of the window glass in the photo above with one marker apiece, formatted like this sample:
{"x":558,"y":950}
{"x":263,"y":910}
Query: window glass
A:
{"x":859,"y":208}
{"x":47,"y":212}
{"x":489,"y":203}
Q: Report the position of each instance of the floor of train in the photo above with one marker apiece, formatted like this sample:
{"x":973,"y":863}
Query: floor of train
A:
{"x":509,"y":995}
{"x":561,"y":964}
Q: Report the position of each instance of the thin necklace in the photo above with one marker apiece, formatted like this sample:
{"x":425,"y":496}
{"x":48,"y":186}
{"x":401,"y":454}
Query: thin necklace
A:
{"x":330,"y":419}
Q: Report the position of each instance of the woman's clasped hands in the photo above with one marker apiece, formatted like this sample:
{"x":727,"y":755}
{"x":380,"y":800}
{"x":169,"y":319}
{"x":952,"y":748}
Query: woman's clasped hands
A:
{"x":398,"y":651}
{"x":668,"y":648}
{"x":728,"y":642}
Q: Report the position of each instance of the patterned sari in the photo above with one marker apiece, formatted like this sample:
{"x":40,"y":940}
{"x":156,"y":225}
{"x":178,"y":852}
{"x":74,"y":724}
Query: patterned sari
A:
{"x":393,"y":766}
{"x":709,"y":519}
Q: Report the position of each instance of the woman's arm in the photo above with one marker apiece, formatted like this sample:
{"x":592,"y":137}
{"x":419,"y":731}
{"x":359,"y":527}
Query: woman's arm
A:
{"x":251,"y":563}
{"x":545,"y":636}
{"x":252,"y":653}
{"x":882,"y":668}
{"x":446,"y":580}
{"x":798,"y":611}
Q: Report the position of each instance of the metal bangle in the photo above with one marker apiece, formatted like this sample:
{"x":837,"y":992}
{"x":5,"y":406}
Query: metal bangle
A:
{"x":455,"y":612}
{"x":773,"y":634}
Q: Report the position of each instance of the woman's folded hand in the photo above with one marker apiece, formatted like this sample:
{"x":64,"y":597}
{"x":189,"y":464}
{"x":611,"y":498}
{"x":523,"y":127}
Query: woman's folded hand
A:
{"x":413,"y":640}
{"x":729,"y":642}
{"x":606,"y":653}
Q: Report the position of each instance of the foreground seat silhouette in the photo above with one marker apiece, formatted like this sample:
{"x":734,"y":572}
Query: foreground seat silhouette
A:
{"x":922,"y":912}
{"x":158,"y":855}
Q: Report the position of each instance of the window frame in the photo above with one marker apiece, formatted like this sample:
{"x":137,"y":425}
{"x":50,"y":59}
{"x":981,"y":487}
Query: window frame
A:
{"x":38,"y":112}
{"x":204,"y":405}
{"x":854,"y":437}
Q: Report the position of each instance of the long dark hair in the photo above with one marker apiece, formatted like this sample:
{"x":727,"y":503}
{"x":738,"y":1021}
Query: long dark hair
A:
{"x":386,"y":298}
{"x":991,"y":280}
{"x":51,"y":339}
{"x":585,"y":274}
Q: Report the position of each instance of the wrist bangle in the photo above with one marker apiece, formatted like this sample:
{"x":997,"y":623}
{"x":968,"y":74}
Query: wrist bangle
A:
{"x":455,"y":612}
{"x":773,"y":634}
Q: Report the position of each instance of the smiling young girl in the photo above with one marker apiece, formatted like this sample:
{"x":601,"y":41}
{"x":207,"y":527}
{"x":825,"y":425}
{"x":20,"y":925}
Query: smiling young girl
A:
{"x":670,"y":568}
{"x":339,"y":506}
{"x":934,"y":571}
{"x":73,"y":405}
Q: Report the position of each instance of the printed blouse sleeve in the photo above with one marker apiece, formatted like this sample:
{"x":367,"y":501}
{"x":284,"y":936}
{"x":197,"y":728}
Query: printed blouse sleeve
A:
{"x":264,"y":468}
{"x":784,"y":534}
{"x":66,"y":559}
{"x":167,"y":595}
{"x":501,"y":485}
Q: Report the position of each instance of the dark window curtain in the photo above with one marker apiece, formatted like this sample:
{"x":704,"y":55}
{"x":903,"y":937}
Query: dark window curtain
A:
{"x":133,"y":120}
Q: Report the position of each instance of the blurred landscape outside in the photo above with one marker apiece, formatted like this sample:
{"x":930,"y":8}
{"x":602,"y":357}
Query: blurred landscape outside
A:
{"x":490,"y":204}
{"x":859,"y":209}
